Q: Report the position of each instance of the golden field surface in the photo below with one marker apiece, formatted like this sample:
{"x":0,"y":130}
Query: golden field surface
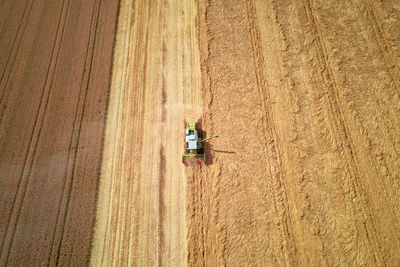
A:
{"x":305,"y":98}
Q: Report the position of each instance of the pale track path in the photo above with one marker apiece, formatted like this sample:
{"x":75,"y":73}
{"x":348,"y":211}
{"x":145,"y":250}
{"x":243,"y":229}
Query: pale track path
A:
{"x":141,"y":212}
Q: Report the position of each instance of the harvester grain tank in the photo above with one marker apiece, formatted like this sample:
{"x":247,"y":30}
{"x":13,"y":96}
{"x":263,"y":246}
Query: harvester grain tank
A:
{"x":194,"y":150}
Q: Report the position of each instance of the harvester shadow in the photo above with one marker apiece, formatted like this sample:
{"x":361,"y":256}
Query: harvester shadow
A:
{"x":207,"y":150}
{"x":207,"y":147}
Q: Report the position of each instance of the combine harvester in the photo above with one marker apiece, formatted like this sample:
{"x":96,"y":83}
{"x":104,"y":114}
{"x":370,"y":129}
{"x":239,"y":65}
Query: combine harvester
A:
{"x":194,"y":152}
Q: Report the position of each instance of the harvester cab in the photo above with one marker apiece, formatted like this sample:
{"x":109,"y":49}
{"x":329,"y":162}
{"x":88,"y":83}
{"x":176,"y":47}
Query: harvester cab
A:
{"x":194,"y":151}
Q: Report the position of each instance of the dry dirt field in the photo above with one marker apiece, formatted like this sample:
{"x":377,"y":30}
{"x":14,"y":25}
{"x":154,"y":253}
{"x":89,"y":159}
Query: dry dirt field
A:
{"x":305,"y":97}
{"x":55,"y":63}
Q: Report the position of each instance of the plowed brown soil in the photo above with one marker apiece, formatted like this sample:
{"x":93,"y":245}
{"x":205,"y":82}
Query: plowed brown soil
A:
{"x":55,"y":62}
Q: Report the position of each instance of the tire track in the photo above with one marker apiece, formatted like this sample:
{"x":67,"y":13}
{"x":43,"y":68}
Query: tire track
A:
{"x":3,"y":90}
{"x":382,"y":41}
{"x":80,"y":109}
{"x":5,"y":7}
{"x":378,"y":129}
{"x":348,"y":143}
{"x":13,"y":45}
{"x":388,"y":55}
{"x":299,"y":152}
{"x":232,"y":235}
{"x":349,"y":147}
{"x":326,"y":221}
{"x":386,"y":52}
{"x":161,"y":204}
{"x":270,"y":137}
